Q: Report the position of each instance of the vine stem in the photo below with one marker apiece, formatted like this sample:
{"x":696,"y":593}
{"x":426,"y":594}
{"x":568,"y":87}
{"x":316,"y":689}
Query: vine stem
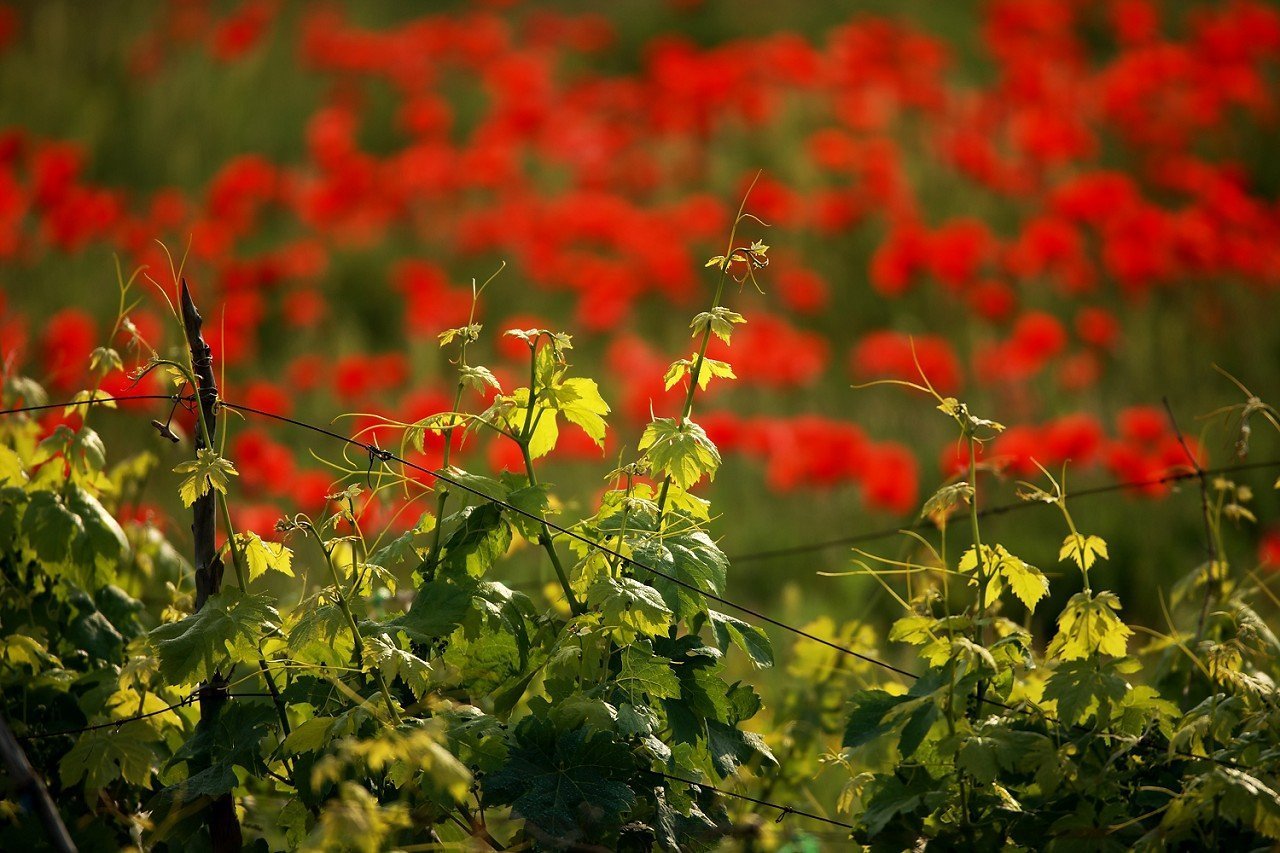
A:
{"x":983,"y":575}
{"x":1206,"y":512}
{"x":526,"y":435}
{"x":696,"y":371}
{"x":356,"y":643}
{"x":442,"y":498}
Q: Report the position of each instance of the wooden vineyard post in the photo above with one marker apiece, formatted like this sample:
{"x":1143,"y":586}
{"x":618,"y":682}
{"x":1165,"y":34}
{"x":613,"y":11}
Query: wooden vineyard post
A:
{"x":224,"y":826}
{"x":30,"y":788}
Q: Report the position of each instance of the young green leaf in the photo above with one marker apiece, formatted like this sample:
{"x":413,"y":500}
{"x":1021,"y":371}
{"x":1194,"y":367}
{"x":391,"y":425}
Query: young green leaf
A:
{"x":261,"y":556}
{"x":682,"y":451}
{"x":692,"y":558}
{"x":100,"y":758}
{"x":719,"y":319}
{"x":1081,"y":688}
{"x":749,"y":638}
{"x":580,"y":402}
{"x":1088,"y":626}
{"x":1083,"y":550}
{"x":207,"y":470}
{"x":1028,"y":583}
{"x":643,"y":674}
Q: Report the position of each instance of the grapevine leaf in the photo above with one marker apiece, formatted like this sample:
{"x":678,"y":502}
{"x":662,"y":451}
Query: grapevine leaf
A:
{"x":216,"y":750}
{"x":675,"y":373}
{"x":999,"y":566}
{"x":978,"y":756}
{"x":400,"y":551}
{"x":894,"y":796}
{"x":102,"y":542}
{"x":1083,"y":550}
{"x":750,"y":638}
{"x":11,"y":468}
{"x":51,"y":527}
{"x":106,"y":359}
{"x":1026,"y":581}
{"x":208,"y":470}
{"x":731,"y":748}
{"x":720,"y":319}
{"x":438,"y":608}
{"x":546,"y":432}
{"x":99,"y":758}
{"x":1082,"y":689}
{"x":467,"y":334}
{"x":681,"y":451}
{"x":917,"y":726}
{"x":534,"y":500}
{"x":87,"y":451}
{"x":713,"y":369}
{"x":231,"y":624}
{"x":481,"y":536}
{"x":703,"y":693}
{"x":630,"y":608}
{"x":310,"y":735}
{"x":866,"y":722}
{"x":395,"y":662}
{"x":486,"y":663}
{"x":693,"y":559}
{"x":946,"y":499}
{"x":1088,"y":626}
{"x":580,"y":402}
{"x":478,"y":377}
{"x":1245,"y":798}
{"x":261,"y":556}
{"x":321,"y":634}
{"x":642,"y":673}
{"x":565,"y":785}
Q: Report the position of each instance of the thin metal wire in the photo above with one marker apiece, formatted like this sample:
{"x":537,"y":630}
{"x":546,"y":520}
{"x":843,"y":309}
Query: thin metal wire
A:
{"x":96,"y":401}
{"x":388,"y":456}
{"x":1000,"y":509}
{"x":784,"y":810}
{"x":115,"y":724}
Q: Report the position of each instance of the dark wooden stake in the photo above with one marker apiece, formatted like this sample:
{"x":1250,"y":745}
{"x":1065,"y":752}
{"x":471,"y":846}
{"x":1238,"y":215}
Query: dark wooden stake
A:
{"x":224,"y":826}
{"x":31,"y":789}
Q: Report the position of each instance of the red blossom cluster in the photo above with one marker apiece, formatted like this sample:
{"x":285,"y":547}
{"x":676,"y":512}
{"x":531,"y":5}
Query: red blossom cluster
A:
{"x":1098,"y":156}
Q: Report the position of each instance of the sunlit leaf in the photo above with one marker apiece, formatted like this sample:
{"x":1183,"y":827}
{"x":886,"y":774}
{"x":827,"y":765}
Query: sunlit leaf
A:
{"x":207,"y":471}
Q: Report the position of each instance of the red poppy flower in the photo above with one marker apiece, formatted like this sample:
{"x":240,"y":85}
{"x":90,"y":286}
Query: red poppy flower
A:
{"x":803,"y":291}
{"x":890,"y":478}
{"x":1098,"y":328}
{"x":1147,"y":425}
{"x":68,"y":339}
{"x":894,"y":355}
{"x":1269,"y":550}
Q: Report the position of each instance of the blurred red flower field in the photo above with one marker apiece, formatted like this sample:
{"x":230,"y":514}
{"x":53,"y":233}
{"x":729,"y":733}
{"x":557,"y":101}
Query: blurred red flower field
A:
{"x":1060,"y":210}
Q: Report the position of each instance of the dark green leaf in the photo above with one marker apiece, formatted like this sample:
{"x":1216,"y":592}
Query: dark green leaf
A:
{"x":566,"y":785}
{"x":750,"y":638}
{"x":643,"y":674}
{"x":228,"y":627}
{"x":480,"y":537}
{"x":866,"y":720}
{"x":438,"y":608}
{"x":692,"y":559}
